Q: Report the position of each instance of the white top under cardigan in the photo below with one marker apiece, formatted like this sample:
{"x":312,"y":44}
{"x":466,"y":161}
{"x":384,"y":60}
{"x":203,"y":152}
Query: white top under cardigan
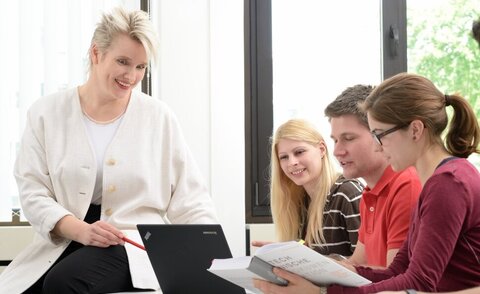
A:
{"x":100,"y":136}
{"x":148,"y":174}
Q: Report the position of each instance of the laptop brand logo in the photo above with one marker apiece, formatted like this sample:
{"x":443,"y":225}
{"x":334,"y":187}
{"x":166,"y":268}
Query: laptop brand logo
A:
{"x":147,"y":236}
{"x":209,"y":232}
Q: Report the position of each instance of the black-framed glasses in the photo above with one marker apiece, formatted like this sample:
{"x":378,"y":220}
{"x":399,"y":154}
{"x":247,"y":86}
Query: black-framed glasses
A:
{"x":379,"y":136}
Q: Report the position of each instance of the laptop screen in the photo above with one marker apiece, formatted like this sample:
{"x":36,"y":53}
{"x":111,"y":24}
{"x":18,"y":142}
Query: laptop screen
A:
{"x":181,"y":254}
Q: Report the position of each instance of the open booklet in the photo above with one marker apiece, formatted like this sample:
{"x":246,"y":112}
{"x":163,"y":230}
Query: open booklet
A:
{"x":291,"y":256}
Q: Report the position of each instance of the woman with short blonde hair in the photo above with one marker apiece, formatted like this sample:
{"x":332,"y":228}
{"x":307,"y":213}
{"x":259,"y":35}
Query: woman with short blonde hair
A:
{"x":95,"y":161}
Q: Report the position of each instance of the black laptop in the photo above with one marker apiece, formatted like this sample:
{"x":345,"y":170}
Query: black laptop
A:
{"x":181,"y":254}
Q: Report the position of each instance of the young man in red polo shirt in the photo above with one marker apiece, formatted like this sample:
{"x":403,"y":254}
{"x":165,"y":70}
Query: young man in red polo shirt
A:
{"x":389,"y":197}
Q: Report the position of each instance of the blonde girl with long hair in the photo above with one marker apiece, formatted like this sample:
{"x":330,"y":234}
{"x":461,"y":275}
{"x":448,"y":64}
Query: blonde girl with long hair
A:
{"x":309,"y":199}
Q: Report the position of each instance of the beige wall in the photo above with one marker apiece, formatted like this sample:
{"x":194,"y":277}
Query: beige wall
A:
{"x":12,"y":240}
{"x":201,"y":77}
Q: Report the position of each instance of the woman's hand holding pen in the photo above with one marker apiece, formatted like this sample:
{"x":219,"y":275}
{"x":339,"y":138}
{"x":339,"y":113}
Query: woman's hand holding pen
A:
{"x":99,"y":234}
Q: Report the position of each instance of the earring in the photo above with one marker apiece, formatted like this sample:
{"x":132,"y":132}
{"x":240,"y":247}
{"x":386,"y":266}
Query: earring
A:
{"x":414,"y":137}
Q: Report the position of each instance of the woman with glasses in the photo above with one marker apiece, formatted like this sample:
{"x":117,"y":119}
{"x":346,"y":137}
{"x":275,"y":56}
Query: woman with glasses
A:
{"x":309,"y":199}
{"x":407,"y":114}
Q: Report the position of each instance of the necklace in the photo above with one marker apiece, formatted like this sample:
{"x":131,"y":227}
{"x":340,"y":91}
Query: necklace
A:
{"x":103,"y":122}
{"x":83,"y":106}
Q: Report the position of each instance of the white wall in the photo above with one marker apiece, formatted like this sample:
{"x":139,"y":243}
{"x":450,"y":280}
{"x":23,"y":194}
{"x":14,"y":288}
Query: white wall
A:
{"x":201,"y":76}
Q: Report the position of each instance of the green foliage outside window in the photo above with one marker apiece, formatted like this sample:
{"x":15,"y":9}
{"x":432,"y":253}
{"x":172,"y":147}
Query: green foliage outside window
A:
{"x":441,"y":46}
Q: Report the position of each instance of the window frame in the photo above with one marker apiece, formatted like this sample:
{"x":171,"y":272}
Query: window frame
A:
{"x":258,"y":107}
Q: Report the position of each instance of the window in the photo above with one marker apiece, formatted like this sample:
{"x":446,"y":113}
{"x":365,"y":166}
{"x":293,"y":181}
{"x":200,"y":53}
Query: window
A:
{"x":316,"y":55}
{"x":299,"y":56}
{"x":292,"y":82}
{"x":46,"y":52}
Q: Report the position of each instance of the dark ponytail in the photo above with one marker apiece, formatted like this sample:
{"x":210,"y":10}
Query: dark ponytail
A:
{"x":463,"y":135}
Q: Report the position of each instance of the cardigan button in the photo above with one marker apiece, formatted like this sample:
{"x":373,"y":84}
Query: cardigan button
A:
{"x":111,"y":161}
{"x":111,"y":188}
{"x":108,"y":212}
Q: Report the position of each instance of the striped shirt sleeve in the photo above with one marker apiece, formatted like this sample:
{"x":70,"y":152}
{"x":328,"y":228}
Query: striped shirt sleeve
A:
{"x":341,"y":218}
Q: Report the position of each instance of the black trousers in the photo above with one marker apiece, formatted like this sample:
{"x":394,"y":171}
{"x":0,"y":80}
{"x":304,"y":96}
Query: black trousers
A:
{"x":87,"y":269}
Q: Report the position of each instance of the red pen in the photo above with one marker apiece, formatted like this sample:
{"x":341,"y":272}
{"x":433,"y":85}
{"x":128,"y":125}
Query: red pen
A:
{"x":133,"y":243}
